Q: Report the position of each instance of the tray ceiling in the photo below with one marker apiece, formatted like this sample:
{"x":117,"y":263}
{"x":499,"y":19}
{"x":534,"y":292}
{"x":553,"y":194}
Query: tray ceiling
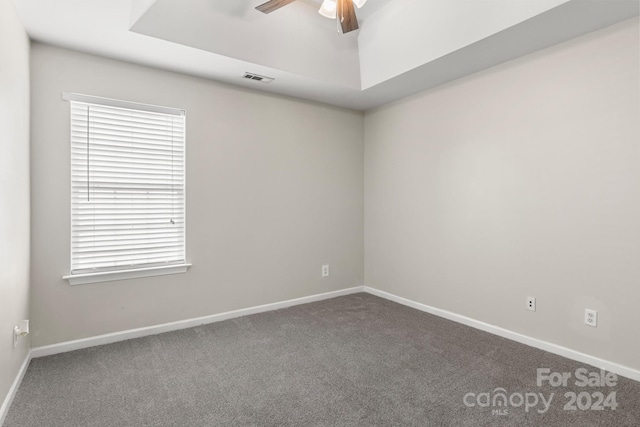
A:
{"x":402,"y":47}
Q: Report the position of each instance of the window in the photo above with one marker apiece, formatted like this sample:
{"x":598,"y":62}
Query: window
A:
{"x":127,"y":190}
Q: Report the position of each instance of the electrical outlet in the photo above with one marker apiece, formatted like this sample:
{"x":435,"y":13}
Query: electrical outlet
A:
{"x":325,"y":271}
{"x":590,"y":317}
{"x":21,"y":330}
{"x":531,"y":303}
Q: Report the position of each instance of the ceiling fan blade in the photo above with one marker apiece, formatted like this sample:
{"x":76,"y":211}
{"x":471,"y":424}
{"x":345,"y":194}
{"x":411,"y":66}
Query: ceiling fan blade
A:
{"x":272,"y":5}
{"x":347,"y":16}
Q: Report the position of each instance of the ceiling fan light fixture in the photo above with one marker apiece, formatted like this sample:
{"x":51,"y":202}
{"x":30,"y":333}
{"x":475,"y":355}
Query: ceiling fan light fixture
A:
{"x":359,"y":3}
{"x":329,"y":8}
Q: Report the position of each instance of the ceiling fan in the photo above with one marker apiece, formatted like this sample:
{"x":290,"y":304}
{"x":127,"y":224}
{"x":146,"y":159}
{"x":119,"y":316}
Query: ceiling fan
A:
{"x":341,"y":10}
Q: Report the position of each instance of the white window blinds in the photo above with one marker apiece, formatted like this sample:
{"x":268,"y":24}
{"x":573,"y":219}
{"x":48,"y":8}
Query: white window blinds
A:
{"x":127,"y":185}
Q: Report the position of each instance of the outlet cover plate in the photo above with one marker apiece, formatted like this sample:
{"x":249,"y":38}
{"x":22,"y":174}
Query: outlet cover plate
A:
{"x":531,"y":303}
{"x":590,"y":317}
{"x":325,"y":271}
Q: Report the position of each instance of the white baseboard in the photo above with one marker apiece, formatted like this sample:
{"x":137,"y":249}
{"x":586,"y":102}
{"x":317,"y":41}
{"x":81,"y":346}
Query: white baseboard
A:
{"x":64,"y":347}
{"x":4,"y":409}
{"x":48,"y":350}
{"x":616,"y":368}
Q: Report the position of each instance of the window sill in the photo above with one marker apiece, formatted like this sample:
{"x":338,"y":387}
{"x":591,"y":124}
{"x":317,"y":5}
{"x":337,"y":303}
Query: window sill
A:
{"x":108,"y":276}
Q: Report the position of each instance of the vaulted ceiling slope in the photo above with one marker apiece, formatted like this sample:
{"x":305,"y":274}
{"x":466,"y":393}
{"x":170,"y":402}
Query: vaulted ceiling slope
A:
{"x":402,"y":47}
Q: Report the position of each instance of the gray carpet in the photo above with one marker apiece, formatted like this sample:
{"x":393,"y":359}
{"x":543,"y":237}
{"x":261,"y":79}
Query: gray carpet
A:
{"x":351,"y":361}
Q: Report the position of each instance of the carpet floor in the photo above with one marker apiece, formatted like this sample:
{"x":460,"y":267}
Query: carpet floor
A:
{"x":357,"y":360}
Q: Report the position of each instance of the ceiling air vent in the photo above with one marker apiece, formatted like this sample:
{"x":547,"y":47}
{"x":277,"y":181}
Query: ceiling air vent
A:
{"x":258,"y":78}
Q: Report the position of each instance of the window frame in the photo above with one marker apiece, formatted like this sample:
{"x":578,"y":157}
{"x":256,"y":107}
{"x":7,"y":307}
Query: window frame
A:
{"x":125,"y":272}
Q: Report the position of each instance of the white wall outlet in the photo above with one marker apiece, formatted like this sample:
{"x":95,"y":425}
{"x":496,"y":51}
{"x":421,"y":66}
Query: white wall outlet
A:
{"x":325,"y":271}
{"x":531,"y":303}
{"x":590,"y":317}
{"x":22,"y":330}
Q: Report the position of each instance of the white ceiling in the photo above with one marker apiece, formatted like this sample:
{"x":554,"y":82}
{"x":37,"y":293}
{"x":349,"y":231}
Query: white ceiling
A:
{"x":402,"y":47}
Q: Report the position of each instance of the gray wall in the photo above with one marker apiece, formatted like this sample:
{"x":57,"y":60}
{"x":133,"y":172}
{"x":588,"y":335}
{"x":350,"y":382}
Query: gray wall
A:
{"x":521,"y":180}
{"x":14,"y":191}
{"x":274,"y":190}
